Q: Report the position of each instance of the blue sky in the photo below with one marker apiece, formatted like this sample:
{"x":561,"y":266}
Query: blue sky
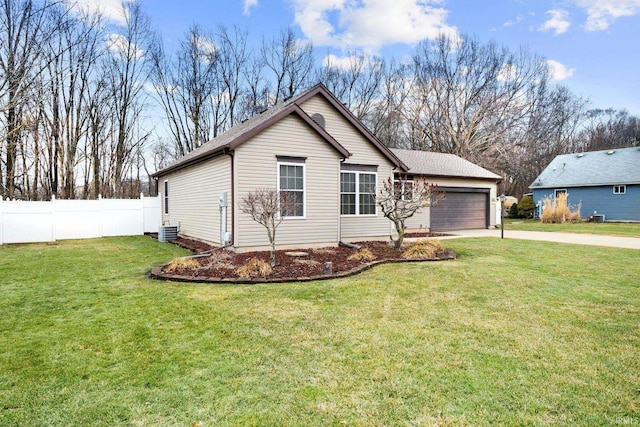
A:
{"x":594,"y":45}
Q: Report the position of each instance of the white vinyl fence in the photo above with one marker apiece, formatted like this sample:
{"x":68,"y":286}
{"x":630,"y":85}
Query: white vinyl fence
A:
{"x":25,"y":222}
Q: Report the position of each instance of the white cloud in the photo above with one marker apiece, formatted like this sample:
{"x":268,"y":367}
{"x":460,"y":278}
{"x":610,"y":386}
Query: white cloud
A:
{"x":559,"y":71}
{"x":602,"y":13}
{"x":118,"y":44}
{"x":248,"y":4}
{"x":558,"y":22}
{"x":518,"y":19}
{"x":110,"y":9}
{"x":370,"y":24}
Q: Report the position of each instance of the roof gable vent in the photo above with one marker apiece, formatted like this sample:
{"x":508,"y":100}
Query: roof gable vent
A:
{"x":319,"y":119}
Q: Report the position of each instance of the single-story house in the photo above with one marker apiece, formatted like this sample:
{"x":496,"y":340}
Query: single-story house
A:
{"x":313,"y":147}
{"x":604,"y":182}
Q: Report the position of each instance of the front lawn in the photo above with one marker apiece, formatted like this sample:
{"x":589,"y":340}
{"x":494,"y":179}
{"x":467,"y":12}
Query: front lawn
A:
{"x":608,"y":228}
{"x":513,"y":332}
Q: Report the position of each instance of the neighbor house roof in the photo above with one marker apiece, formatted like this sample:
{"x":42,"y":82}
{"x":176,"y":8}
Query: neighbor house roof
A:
{"x":592,"y":168}
{"x":242,"y":132}
{"x":442,"y":165}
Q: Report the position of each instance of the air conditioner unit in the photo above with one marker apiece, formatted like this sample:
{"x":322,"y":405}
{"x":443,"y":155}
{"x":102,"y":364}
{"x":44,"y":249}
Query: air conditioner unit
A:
{"x":598,"y":218}
{"x":167,"y":233}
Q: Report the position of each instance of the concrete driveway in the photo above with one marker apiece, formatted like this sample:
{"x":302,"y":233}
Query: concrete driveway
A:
{"x":579,"y":239}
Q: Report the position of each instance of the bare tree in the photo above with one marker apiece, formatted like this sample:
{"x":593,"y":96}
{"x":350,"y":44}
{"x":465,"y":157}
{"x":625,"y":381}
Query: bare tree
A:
{"x":471,"y":94}
{"x":290,"y":62}
{"x":127,"y":71}
{"x":232,"y":61}
{"x":355,"y":80}
{"x":74,"y":51}
{"x":268,"y":208}
{"x":609,"y":128}
{"x":24,"y":28}
{"x":402,"y":198}
{"x":187,"y":88}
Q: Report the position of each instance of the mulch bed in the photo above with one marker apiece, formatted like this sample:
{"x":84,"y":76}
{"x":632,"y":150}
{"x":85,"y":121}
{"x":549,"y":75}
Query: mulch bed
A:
{"x":221,"y":265}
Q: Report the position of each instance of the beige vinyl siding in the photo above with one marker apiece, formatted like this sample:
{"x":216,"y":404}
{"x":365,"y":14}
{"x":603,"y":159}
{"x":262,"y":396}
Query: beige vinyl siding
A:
{"x":193,"y":198}
{"x":422,"y":217}
{"x":420,"y":220}
{"x":363,"y":153}
{"x":256,"y":168}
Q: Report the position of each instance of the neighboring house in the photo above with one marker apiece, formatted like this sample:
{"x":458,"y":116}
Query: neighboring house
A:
{"x":470,"y":191}
{"x":310,"y":145}
{"x":604,"y":182}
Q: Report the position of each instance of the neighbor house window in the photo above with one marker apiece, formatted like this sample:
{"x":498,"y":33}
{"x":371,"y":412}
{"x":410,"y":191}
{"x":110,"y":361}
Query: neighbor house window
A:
{"x":291,"y":183}
{"x":619,"y":189}
{"x":166,"y":197}
{"x":357,"y":193}
{"x":403,"y":190}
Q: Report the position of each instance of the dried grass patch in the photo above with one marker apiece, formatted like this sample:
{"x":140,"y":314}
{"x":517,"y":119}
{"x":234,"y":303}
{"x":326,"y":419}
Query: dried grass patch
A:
{"x":558,"y":211}
{"x":254,"y":268}
{"x":363,"y":255}
{"x":420,"y":249}
{"x":179,"y":265}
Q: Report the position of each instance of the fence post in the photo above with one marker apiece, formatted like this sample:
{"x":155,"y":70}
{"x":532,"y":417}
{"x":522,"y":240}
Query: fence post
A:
{"x":1,"y":223}
{"x":100,"y":215}
{"x":54,"y":219}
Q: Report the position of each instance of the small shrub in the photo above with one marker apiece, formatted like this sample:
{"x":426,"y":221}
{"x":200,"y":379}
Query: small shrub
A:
{"x":363,"y":255}
{"x":526,"y":207}
{"x":180,"y":265}
{"x":420,"y":249}
{"x":513,"y":211}
{"x":254,"y":268}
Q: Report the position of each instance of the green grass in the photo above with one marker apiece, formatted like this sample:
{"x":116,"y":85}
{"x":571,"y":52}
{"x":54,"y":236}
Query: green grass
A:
{"x":608,"y":228}
{"x":511,"y":333}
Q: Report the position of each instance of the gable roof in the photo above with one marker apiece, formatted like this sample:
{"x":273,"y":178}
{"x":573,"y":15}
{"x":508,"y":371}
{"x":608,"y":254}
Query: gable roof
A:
{"x":442,"y":165}
{"x":237,"y":135}
{"x":592,"y":168}
{"x":321,"y":89}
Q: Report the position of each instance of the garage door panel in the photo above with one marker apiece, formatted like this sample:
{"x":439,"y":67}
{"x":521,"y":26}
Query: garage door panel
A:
{"x":459,"y":211}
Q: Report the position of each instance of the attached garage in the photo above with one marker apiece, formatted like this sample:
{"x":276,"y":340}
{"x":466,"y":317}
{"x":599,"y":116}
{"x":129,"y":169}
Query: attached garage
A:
{"x":471,"y":191}
{"x":462,"y":209}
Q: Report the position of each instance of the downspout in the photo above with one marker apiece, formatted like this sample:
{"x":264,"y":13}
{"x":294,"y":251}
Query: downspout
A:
{"x":229,"y":152}
{"x":339,"y":203}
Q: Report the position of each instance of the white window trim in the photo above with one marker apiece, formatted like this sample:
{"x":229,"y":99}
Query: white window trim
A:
{"x":304,"y":187}
{"x":375,"y":192}
{"x":403,"y":182}
{"x":165,"y":197}
{"x":561,"y":190}
{"x":622,"y":187}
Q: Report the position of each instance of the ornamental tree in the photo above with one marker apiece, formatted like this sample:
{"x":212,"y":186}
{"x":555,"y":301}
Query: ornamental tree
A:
{"x":401,"y":198}
{"x":268,"y":208}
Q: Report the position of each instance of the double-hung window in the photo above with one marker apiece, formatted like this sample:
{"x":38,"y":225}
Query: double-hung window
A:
{"x":357,"y":192}
{"x":292,"y":186}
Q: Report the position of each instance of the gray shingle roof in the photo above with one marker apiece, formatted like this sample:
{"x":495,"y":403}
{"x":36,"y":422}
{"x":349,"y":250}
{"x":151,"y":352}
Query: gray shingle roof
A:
{"x":240,"y":133}
{"x":606,"y":167}
{"x":442,"y":164}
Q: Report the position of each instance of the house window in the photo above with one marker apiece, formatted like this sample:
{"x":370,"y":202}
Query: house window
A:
{"x":166,"y":197}
{"x":619,"y":189}
{"x":357,"y":193}
{"x":559,"y":192}
{"x":291,"y":183}
{"x":403,"y":190}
